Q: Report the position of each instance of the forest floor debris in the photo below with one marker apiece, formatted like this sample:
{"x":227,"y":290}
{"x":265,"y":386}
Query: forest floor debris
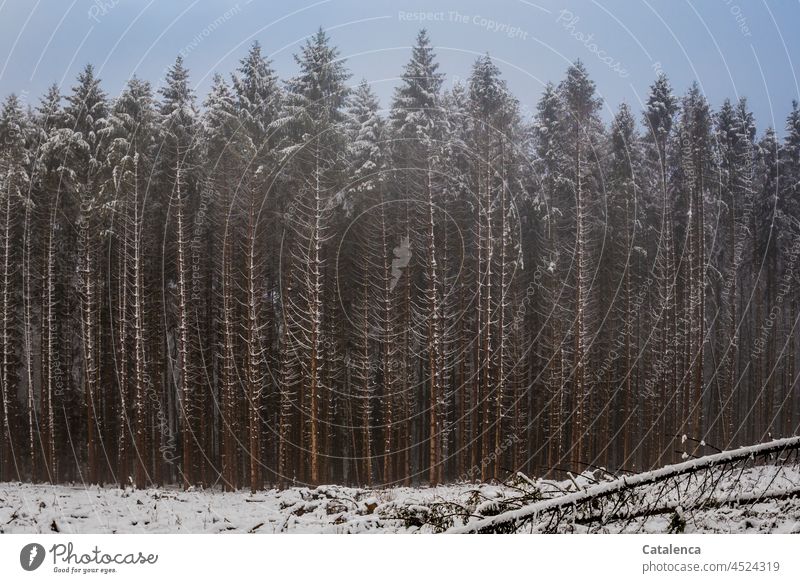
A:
{"x":72,"y":509}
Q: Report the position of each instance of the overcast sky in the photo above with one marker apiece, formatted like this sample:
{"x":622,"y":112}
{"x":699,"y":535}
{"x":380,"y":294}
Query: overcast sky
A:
{"x":733,"y":48}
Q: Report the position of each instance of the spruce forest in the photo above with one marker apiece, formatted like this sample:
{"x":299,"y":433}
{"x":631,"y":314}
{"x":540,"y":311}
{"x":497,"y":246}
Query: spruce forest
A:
{"x":282,"y":283}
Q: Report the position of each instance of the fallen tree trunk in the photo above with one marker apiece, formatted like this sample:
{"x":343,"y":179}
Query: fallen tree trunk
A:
{"x":511,"y":521}
{"x":751,"y":498}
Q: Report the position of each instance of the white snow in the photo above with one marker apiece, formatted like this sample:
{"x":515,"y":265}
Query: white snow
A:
{"x":764,"y":498}
{"x":38,"y":508}
{"x":738,"y":492}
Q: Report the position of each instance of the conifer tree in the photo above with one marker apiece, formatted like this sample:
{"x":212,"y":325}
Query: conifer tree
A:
{"x":130,"y":137}
{"x":659,"y":118}
{"x":14,"y":184}
{"x":314,"y":108}
{"x":84,"y":118}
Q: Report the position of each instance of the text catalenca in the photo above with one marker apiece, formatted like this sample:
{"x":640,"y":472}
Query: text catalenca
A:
{"x":670,"y":550}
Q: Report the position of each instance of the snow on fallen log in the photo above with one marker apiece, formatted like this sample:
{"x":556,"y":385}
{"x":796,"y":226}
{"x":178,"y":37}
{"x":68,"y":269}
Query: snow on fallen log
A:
{"x":669,"y":507}
{"x":521,"y":515}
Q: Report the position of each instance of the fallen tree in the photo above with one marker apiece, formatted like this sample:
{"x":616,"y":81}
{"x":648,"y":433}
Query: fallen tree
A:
{"x":685,"y":487}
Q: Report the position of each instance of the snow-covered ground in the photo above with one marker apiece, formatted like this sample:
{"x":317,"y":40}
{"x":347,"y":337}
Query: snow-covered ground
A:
{"x":29,"y":508}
